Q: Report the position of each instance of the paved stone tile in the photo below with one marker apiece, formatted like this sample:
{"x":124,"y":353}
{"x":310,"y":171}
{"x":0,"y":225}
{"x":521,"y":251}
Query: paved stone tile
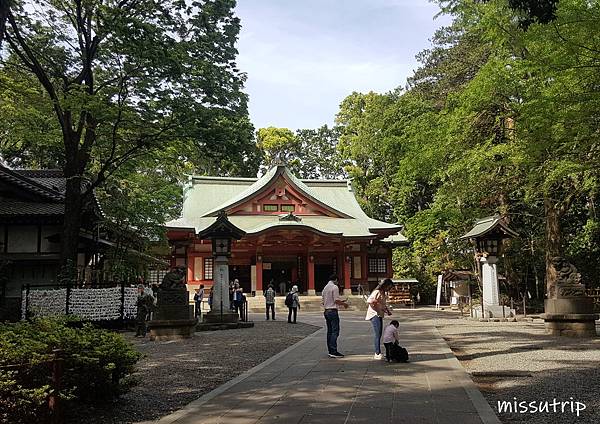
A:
{"x":306,"y":387}
{"x":323,"y":419}
{"x":283,"y":414}
{"x":459,"y":418}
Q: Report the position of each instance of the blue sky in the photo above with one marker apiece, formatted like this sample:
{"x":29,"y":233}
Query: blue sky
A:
{"x":302,"y":57}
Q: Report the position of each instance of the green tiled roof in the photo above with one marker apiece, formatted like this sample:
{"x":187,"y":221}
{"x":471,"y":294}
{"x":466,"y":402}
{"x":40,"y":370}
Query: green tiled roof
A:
{"x":487,"y":225}
{"x":204,"y":197}
{"x":397,"y":238}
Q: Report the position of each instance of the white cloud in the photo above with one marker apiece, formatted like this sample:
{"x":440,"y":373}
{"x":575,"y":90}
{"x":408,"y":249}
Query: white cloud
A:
{"x":302,"y":62}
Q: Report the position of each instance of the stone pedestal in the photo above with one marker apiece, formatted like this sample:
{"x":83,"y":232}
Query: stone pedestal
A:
{"x":572,"y":317}
{"x":161,"y":330}
{"x":496,"y":311}
{"x":174,"y":317}
{"x":312,"y":292}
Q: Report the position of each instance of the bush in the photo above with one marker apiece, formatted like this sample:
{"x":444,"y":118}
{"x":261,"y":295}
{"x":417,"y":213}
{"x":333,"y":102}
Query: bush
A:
{"x":96,"y":363}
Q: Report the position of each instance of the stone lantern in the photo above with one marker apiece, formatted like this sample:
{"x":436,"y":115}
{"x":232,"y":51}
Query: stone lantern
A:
{"x":221,"y":232}
{"x":488,"y":234}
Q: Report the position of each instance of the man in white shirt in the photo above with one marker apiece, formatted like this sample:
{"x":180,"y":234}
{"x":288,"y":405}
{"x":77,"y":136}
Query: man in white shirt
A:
{"x":331,"y":302}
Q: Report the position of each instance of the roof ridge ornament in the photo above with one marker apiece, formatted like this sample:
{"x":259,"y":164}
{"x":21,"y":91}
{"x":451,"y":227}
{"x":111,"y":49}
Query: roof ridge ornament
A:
{"x":290,"y":217}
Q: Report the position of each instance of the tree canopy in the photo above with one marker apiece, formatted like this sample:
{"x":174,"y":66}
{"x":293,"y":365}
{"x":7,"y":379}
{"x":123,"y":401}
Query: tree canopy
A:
{"x":309,"y":153}
{"x":501,"y":117}
{"x":107,"y":88}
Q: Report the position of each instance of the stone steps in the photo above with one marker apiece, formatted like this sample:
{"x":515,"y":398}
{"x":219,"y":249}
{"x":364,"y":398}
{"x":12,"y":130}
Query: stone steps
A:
{"x":307,"y":304}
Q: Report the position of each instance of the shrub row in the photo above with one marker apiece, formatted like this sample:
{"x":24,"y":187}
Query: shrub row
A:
{"x":96,"y":364}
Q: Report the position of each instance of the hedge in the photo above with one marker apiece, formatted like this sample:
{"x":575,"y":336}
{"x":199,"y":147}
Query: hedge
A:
{"x":96,"y":364}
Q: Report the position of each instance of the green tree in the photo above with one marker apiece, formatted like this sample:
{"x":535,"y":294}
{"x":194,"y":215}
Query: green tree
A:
{"x":319,"y":156}
{"x":279,"y":146}
{"x":499,"y":119}
{"x":4,"y":7}
{"x":124,"y":78}
{"x":308,"y":153}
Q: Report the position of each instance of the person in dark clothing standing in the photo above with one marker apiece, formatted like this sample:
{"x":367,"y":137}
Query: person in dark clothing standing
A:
{"x":239,"y":300}
{"x":144,"y":305}
{"x":198,"y":297}
{"x":294,"y":306}
{"x":270,"y":302}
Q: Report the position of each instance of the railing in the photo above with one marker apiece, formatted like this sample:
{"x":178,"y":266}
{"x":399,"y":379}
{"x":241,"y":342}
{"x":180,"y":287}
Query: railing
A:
{"x":244,"y":311}
{"x":361,"y":292}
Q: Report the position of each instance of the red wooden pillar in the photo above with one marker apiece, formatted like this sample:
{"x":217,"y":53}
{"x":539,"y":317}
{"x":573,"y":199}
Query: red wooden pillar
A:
{"x":390,"y":271}
{"x":190,"y":268}
{"x":310,"y":272}
{"x":294,"y":275}
{"x":259,"y":275}
{"x":347,"y":274}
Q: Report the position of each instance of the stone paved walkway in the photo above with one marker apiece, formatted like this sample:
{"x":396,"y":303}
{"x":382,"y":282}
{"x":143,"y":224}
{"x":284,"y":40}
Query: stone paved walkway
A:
{"x":303,"y":385}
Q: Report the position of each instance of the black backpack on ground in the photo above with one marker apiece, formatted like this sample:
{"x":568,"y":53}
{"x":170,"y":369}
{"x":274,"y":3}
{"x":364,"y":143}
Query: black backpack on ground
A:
{"x":398,"y":353}
{"x":289,"y":300}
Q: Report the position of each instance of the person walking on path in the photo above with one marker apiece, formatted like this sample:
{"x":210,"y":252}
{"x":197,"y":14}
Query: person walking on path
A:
{"x":294,"y":305}
{"x":331,"y":302}
{"x":376,"y":311}
{"x":270,"y":302}
{"x":198,"y":297}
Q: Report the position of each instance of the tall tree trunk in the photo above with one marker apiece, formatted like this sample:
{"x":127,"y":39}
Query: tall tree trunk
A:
{"x":74,"y":206}
{"x":3,"y":16}
{"x":553,"y":236}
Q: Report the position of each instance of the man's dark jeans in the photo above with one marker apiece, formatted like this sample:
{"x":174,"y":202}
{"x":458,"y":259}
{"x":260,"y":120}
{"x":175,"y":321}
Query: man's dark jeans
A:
{"x":271,"y":306}
{"x":333,"y":329}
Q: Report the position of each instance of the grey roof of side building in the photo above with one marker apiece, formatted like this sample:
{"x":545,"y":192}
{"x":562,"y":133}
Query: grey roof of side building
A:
{"x":13,"y":207}
{"x":45,"y":190}
{"x":204,"y":197}
{"x":488,"y":224}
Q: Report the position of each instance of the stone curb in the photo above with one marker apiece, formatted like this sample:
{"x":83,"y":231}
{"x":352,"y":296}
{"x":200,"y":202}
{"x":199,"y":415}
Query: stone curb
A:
{"x":195,"y":406}
{"x":484,"y":410}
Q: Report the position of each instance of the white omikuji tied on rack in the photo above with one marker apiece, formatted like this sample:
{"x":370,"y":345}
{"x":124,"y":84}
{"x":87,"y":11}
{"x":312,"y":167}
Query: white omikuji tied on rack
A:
{"x":90,"y":304}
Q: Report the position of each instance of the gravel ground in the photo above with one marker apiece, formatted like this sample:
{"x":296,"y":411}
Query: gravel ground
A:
{"x":175,"y":373}
{"x":517,"y":360}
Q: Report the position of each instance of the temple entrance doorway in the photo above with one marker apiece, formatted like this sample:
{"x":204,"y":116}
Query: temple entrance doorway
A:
{"x":322,"y":274}
{"x":242,"y":273}
{"x":280,"y":274}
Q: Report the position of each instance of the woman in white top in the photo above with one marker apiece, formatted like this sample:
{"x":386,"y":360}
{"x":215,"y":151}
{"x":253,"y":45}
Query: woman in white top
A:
{"x":376,"y":311}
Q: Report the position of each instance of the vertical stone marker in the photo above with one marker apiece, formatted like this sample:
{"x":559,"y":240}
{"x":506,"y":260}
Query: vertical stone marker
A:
{"x":489,"y":277}
{"x":568,"y":311}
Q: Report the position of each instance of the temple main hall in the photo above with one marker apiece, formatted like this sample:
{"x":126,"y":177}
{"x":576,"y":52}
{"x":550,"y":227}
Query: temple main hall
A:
{"x":298,"y":231}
